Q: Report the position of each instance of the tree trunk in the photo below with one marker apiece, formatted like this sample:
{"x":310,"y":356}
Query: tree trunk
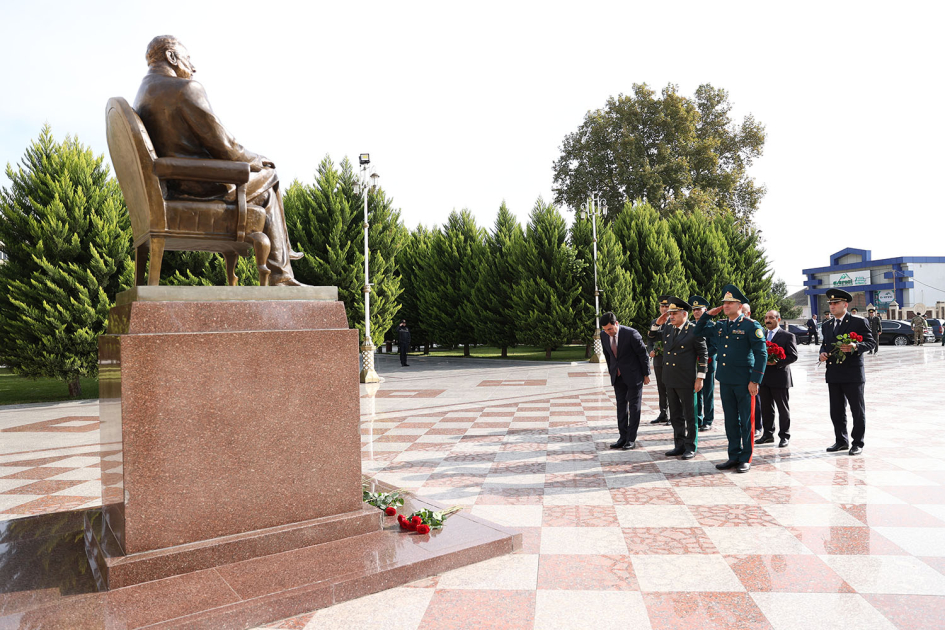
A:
{"x":505,"y":352}
{"x":426,"y":348}
{"x":547,"y":353}
{"x":465,"y":349}
{"x":588,"y":350}
{"x":75,"y":387}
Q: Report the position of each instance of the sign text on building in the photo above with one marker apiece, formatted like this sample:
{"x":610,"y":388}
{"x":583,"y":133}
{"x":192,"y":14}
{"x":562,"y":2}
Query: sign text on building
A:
{"x":850,"y":279}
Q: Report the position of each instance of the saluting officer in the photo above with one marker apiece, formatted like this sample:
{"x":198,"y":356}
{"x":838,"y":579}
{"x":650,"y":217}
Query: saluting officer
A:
{"x":657,"y":357}
{"x":846,"y":380}
{"x":705,"y":399}
{"x":742,"y":356}
{"x":684,"y":355}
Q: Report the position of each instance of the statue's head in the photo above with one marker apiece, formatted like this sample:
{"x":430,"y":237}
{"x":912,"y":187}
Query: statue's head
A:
{"x":166,"y":50}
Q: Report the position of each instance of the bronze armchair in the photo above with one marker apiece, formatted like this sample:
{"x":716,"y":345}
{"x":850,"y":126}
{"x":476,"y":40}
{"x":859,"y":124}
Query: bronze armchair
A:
{"x":158,"y":223}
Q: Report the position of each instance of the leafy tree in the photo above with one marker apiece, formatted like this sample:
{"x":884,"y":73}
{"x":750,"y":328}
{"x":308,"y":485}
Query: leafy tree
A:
{"x":670,"y":151}
{"x":67,"y":236}
{"x":325,"y":222}
{"x":614,"y":280}
{"x":704,"y":252}
{"x":783,"y":302}
{"x":490,"y":310}
{"x":446,"y":294}
{"x":411,"y":261}
{"x":653,"y":259}
{"x":547,"y":299}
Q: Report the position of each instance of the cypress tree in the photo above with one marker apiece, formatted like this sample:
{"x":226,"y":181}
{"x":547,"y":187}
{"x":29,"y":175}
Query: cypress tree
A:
{"x":448,"y":280}
{"x":750,"y":268}
{"x":491,"y":307}
{"x":547,"y":299}
{"x":411,"y":262}
{"x":705,"y":253}
{"x":67,"y":236}
{"x":325,"y":222}
{"x":653,"y":260}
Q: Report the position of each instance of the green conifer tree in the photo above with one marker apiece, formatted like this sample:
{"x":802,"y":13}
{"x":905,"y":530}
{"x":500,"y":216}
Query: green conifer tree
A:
{"x":704,"y":251}
{"x":67,"y":237}
{"x":491,"y":307}
{"x":449,"y":278}
{"x":547,"y":299}
{"x":411,"y":262}
{"x":325,"y":222}
{"x":751,"y":270}
{"x":653,"y":260}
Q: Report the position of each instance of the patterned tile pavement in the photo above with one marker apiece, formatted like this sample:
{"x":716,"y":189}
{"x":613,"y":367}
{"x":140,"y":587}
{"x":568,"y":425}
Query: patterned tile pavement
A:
{"x":628,"y":539}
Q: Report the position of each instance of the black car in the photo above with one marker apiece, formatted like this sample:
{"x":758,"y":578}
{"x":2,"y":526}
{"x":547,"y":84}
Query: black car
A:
{"x":936,"y":325}
{"x":899,"y":333}
{"x":800,"y":333}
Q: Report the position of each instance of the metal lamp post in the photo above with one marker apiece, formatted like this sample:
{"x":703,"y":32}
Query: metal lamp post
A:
{"x":594,"y":208}
{"x":368,"y":375}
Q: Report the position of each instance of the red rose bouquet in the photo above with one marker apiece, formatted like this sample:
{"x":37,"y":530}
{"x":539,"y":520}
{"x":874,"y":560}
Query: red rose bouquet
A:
{"x":422,"y":521}
{"x":775,"y":353}
{"x":838,"y":355}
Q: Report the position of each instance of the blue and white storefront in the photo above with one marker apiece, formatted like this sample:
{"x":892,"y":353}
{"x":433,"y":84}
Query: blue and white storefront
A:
{"x":907,"y":280}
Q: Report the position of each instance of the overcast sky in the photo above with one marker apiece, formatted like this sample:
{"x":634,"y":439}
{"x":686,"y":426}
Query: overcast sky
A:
{"x":464,"y":105}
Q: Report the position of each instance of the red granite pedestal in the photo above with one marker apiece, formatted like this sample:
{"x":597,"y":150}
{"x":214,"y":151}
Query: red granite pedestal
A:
{"x":231,"y":450}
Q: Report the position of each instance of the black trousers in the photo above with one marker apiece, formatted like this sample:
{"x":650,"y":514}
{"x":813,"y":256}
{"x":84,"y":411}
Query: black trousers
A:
{"x":403,"y":355}
{"x":771,"y":396}
{"x":629,"y":399}
{"x":660,"y":388}
{"x":840,"y":394}
{"x":683,"y":417}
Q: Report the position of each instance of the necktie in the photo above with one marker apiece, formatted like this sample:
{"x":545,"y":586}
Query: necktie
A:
{"x":770,"y":335}
{"x":613,"y":346}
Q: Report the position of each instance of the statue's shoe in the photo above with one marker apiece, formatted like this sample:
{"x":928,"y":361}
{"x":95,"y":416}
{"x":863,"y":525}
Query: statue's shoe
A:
{"x":296,"y":255}
{"x":285,"y":281}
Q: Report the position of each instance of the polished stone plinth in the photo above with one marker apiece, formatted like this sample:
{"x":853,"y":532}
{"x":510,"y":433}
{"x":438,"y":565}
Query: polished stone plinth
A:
{"x":229,"y":426}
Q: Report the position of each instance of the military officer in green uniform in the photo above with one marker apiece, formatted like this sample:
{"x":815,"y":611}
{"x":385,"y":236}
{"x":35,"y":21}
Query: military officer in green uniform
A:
{"x":741,"y":359}
{"x":657,"y":355}
{"x":705,"y":403}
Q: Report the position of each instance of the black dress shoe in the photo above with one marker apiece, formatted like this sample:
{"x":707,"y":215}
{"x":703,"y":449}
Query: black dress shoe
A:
{"x":659,"y":420}
{"x":674,"y":452}
{"x":688,"y":455}
{"x":784,"y":442}
{"x":839,"y":446}
{"x":629,"y":446}
{"x":757,"y":434}
{"x":743,"y":467}
{"x":856,"y":450}
{"x":618,"y":444}
{"x":707,"y":427}
{"x":765,"y":439}
{"x":726,"y":465}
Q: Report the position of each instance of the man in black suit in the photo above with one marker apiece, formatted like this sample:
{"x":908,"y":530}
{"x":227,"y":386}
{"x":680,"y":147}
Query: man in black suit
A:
{"x":684,"y":368}
{"x":876,"y":327}
{"x":776,"y":382}
{"x":657,"y":355}
{"x":812,"y":330}
{"x":629,"y":371}
{"x":846,"y":375}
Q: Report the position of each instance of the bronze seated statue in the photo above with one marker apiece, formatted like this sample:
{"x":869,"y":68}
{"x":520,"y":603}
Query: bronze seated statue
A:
{"x":186,"y":181}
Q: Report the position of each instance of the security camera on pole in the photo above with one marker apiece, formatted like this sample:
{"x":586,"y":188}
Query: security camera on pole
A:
{"x":596,"y":206}
{"x":368,"y":375}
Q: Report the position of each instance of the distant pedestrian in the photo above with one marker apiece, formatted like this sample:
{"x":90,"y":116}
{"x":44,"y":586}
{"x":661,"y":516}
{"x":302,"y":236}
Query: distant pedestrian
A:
{"x":403,"y":342}
{"x":812,"y":330}
{"x":918,"y":329}
{"x":876,"y":327}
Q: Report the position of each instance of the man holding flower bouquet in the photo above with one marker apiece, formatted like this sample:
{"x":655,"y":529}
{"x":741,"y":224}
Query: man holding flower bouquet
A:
{"x":782,"y":352}
{"x":846,"y":339}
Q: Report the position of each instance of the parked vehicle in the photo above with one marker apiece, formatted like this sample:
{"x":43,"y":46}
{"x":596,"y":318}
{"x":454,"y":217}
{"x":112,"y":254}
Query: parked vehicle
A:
{"x":800,"y":333}
{"x":936,"y":325}
{"x":899,"y":333}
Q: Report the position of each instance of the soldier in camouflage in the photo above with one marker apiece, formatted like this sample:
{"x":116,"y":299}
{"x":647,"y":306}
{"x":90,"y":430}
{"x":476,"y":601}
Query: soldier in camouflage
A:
{"x":918,"y":328}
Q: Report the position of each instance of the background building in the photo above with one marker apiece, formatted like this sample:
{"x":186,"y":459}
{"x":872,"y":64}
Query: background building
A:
{"x":906,"y":280}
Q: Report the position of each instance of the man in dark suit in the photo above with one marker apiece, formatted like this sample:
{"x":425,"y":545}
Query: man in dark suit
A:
{"x":684,"y":367}
{"x":876,"y":327}
{"x":812,"y":330}
{"x":705,"y":399}
{"x":776,"y":382}
{"x":846,"y":375}
{"x":180,"y":123}
{"x":629,"y":370}
{"x":657,"y":355}
{"x":403,"y":342}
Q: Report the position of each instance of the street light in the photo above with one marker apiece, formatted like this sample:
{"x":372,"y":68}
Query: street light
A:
{"x":368,"y":375}
{"x":596,"y":207}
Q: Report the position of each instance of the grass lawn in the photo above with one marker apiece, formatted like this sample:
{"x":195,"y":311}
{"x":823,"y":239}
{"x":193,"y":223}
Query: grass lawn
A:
{"x":522,"y":353}
{"x":17,"y":390}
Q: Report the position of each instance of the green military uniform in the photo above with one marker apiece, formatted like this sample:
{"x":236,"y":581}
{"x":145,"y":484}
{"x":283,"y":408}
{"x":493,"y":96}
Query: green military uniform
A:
{"x":741,"y":359}
{"x":705,"y":399}
{"x":918,"y":328}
